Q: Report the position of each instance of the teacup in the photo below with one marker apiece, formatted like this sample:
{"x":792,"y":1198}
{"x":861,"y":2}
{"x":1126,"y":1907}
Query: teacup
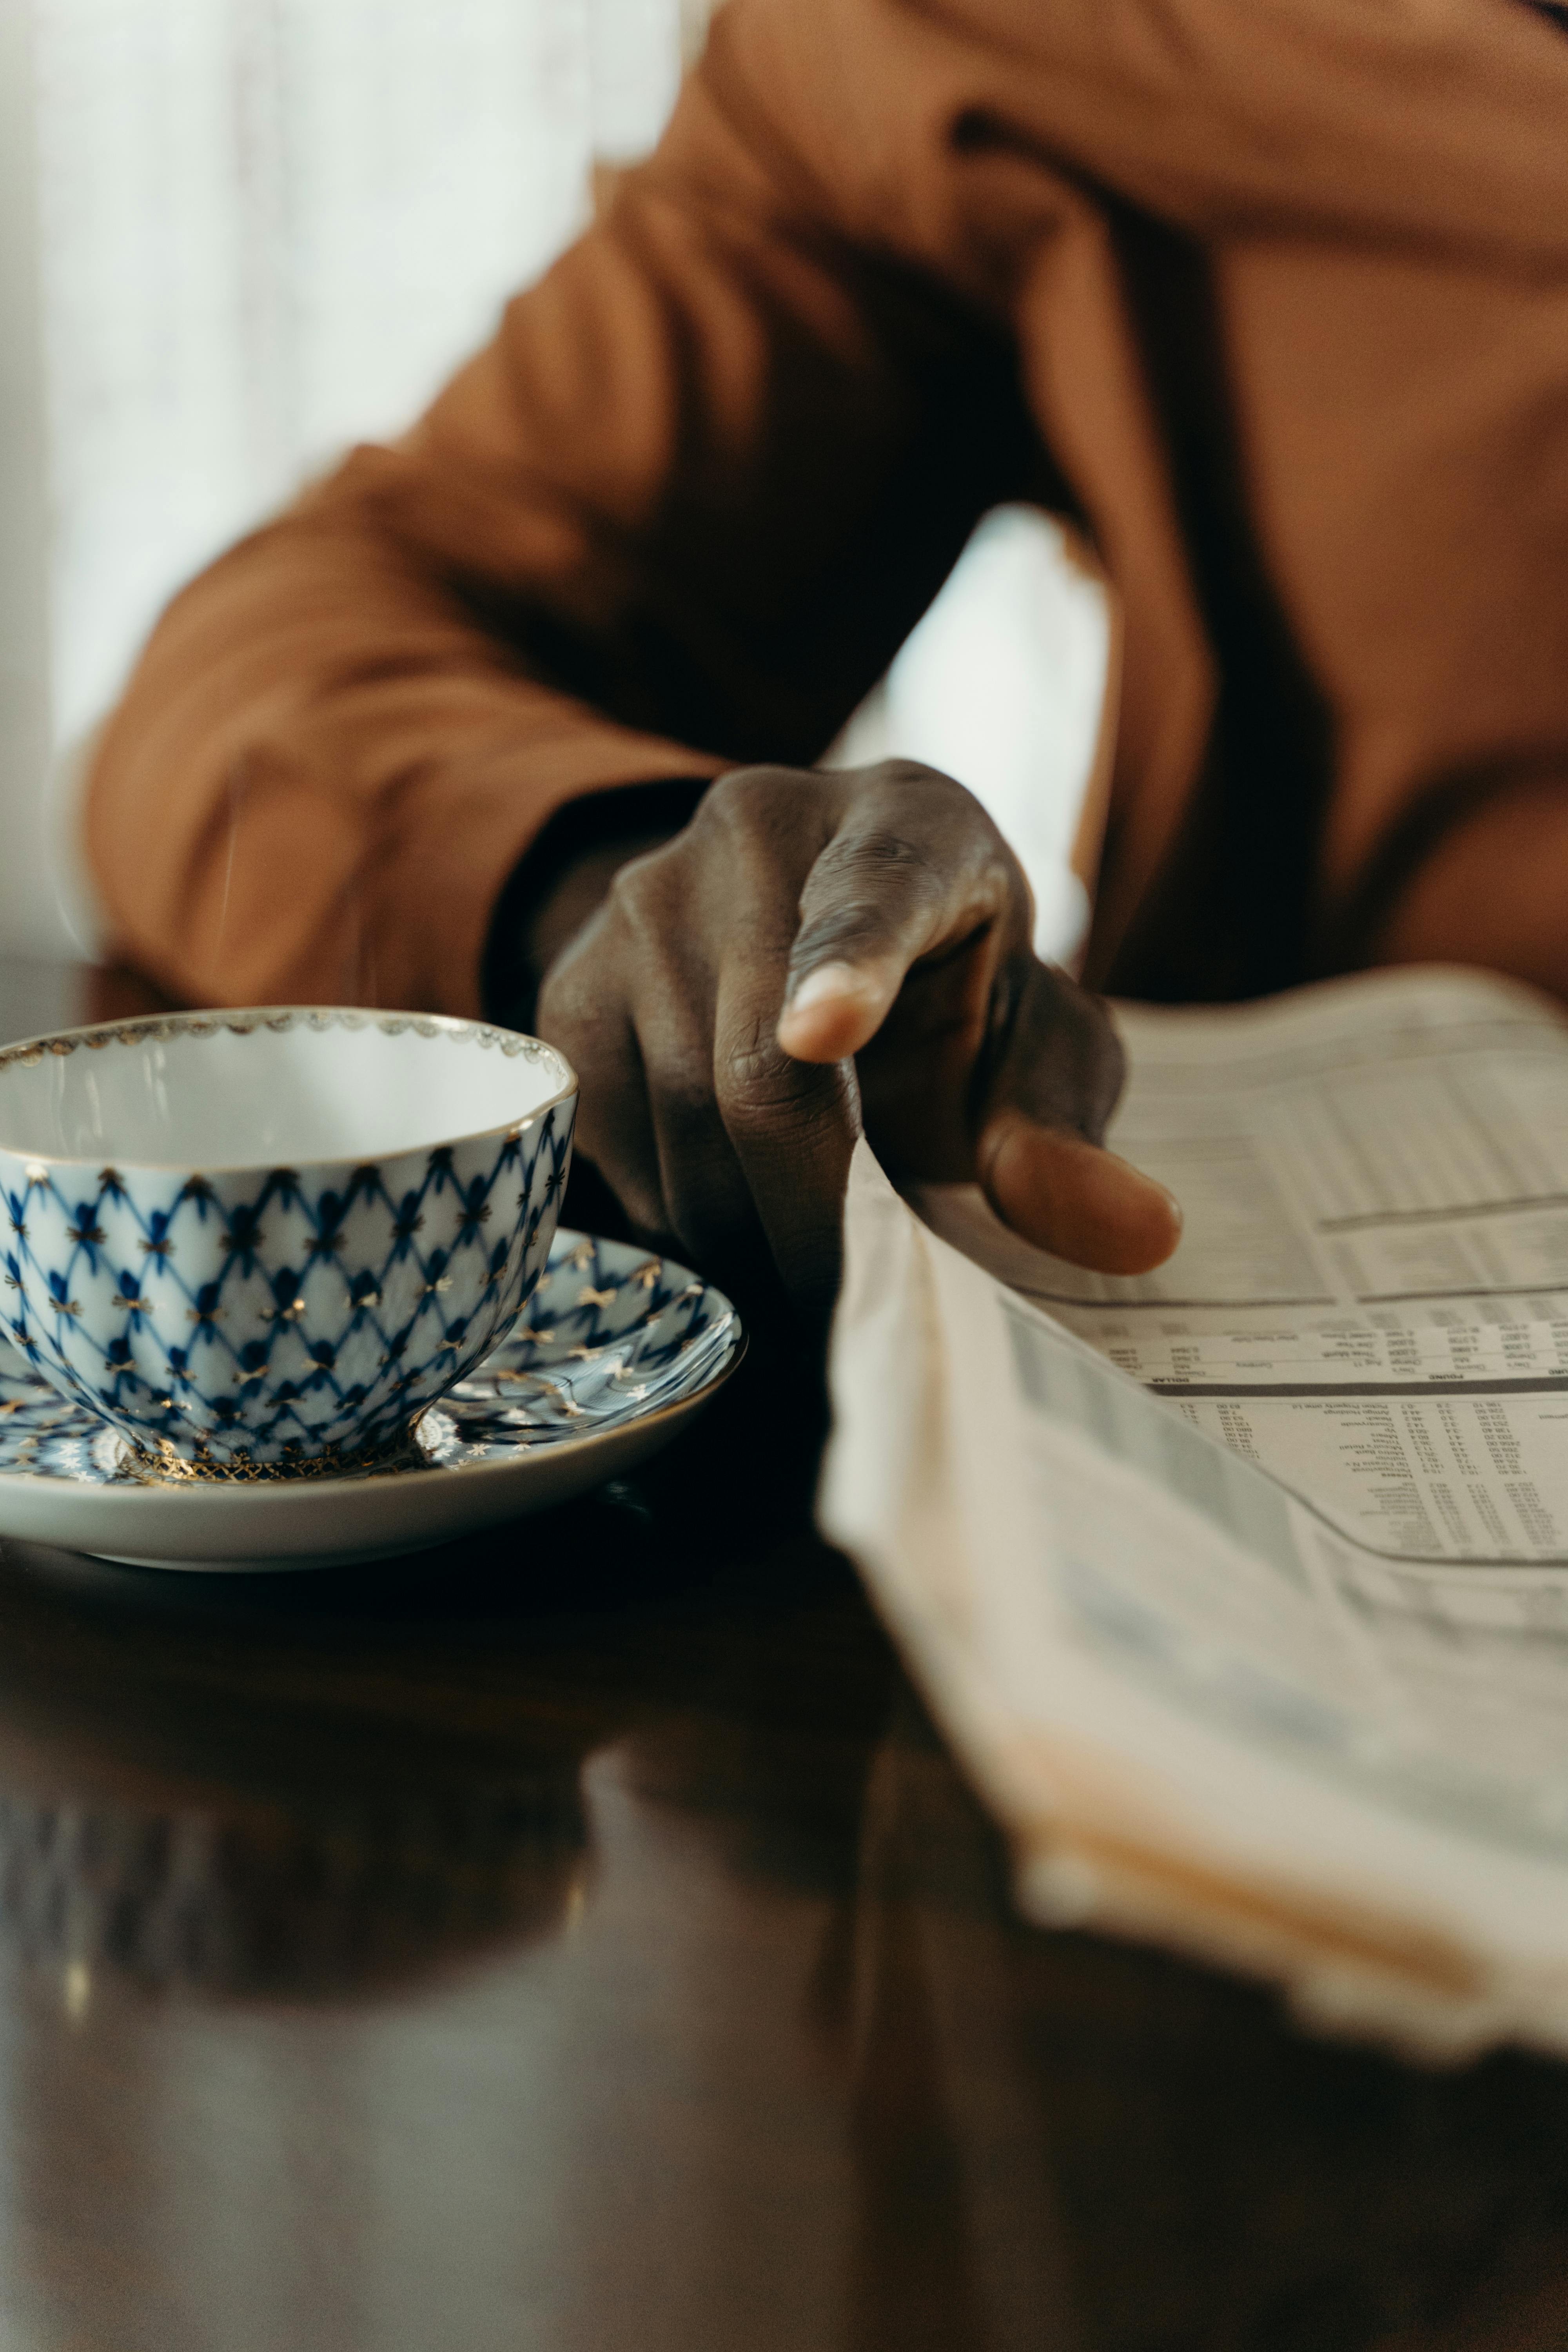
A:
{"x":260,"y":1243}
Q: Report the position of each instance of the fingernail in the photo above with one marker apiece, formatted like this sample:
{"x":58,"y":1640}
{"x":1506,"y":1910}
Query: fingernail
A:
{"x":826,"y":980}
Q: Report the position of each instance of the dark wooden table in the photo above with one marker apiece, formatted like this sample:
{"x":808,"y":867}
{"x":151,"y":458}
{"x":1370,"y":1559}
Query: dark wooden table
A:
{"x":576,"y":1939}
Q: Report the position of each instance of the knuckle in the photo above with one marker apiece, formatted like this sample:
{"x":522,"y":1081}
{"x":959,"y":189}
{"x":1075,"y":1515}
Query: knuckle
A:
{"x":651,"y":925}
{"x":643,"y":892}
{"x":742,"y":795}
{"x":881,"y":852}
{"x":752,"y":1078}
{"x":930,"y":797}
{"x":858,"y":874}
{"x":757,"y":1085}
{"x":751,"y":805}
{"x":927,"y":802}
{"x":906,"y":775}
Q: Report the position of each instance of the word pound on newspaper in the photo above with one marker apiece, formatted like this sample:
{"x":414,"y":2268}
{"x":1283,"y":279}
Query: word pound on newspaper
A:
{"x":1241,"y":1588}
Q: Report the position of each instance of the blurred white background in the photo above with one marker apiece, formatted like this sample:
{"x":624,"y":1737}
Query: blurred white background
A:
{"x":237,"y":234}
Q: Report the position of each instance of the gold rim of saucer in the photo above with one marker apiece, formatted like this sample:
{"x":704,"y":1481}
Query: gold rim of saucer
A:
{"x":164,"y":1465}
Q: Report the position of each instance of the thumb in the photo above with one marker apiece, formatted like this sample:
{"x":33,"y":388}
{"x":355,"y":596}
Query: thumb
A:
{"x":1073,"y":1198}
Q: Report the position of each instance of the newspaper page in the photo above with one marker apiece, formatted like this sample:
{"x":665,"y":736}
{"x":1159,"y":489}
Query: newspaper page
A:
{"x":1294,"y":1509}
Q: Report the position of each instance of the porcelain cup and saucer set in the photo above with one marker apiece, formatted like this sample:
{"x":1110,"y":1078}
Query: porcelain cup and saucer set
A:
{"x":285,"y":1288}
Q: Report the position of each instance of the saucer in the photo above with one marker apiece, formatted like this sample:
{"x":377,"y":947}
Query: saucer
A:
{"x":615,"y":1351}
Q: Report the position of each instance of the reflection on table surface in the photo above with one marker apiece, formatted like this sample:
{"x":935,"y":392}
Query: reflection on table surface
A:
{"x":576,"y":1938}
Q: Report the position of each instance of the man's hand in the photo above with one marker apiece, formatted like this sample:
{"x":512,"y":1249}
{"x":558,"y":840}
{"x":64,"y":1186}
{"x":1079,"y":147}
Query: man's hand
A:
{"x":815,"y":951}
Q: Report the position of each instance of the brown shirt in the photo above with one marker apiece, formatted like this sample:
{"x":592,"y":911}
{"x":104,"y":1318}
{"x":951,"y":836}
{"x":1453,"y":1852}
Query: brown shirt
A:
{"x":1271,"y":296}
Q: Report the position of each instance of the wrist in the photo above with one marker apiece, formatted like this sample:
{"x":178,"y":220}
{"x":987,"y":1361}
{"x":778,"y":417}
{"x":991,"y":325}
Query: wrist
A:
{"x":561,"y":880}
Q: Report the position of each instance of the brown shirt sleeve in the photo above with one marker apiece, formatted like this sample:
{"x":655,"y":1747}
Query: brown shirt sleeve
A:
{"x":1282,"y":290}
{"x":675,"y":517}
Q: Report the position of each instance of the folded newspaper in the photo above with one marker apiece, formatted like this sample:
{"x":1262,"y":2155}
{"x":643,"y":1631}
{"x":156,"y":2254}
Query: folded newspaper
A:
{"x":1241,"y":1588}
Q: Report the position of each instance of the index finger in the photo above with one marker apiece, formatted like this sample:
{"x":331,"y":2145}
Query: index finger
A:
{"x":915,"y":864}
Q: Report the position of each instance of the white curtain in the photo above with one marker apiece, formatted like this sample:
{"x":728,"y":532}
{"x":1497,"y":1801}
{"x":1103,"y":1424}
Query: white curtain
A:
{"x":237,"y":236}
{"x":268,"y":228}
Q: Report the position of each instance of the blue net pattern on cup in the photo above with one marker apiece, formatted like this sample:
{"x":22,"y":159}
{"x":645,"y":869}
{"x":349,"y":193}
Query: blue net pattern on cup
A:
{"x":322,"y":1365}
{"x":610,"y":1336}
